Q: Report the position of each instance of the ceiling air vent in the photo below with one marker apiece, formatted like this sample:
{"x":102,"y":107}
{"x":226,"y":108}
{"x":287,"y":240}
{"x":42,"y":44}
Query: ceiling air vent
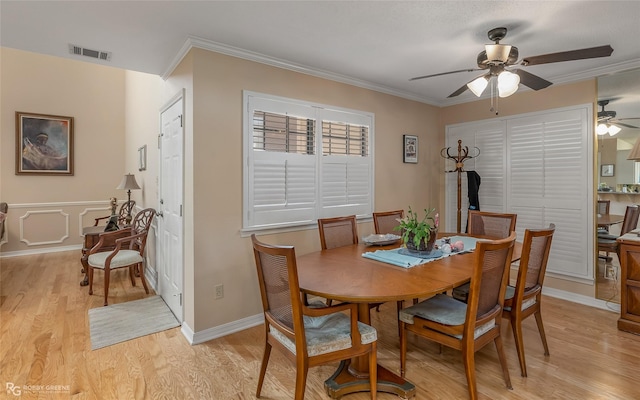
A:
{"x":82,"y":51}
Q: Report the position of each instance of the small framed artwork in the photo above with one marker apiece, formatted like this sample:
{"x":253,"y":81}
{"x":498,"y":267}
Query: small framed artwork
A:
{"x":410,"y":149}
{"x":607,"y":170}
{"x":44,"y":144}
{"x":142,"y":158}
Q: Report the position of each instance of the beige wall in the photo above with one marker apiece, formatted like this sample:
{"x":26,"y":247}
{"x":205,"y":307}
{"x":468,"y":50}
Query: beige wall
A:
{"x":221,"y":255}
{"x":116,"y":112}
{"x":53,"y":208}
{"x":584,"y":92}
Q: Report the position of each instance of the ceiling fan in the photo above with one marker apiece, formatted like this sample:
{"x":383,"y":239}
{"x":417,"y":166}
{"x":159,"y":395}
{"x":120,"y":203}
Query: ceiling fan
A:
{"x":607,"y":122}
{"x":498,"y":57}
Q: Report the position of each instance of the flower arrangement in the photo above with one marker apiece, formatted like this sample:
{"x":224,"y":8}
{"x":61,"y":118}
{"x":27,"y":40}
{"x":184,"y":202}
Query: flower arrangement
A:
{"x":417,"y":233}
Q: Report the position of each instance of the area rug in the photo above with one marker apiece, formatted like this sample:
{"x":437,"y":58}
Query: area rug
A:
{"x":125,"y":321}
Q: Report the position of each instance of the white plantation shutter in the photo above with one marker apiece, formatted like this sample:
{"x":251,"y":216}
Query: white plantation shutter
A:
{"x":345,"y":187}
{"x":283,"y":189}
{"x":539,"y":167}
{"x":304,"y":162}
{"x":548,"y":176}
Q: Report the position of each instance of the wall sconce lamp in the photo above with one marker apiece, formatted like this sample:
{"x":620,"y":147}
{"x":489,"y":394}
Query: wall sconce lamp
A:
{"x":128,"y":183}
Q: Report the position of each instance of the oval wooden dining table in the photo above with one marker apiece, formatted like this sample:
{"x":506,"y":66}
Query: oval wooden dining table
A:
{"x":343,"y":274}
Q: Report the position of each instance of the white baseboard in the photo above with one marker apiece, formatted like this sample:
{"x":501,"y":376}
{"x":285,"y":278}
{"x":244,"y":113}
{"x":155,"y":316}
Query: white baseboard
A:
{"x":222,"y":330}
{"x":75,"y":247}
{"x":581,"y":299}
{"x":258,"y":319}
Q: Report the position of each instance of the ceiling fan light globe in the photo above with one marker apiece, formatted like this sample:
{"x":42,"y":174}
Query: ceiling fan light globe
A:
{"x":497,"y":53}
{"x":613,"y":130}
{"x":507,"y":83}
{"x":602,"y":129}
{"x":478,"y":85}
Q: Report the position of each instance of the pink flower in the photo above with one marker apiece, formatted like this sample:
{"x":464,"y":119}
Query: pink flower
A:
{"x":437,"y":220}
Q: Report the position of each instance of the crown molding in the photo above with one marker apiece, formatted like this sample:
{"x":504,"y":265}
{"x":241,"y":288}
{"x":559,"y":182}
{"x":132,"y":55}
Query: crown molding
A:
{"x":195,"y":42}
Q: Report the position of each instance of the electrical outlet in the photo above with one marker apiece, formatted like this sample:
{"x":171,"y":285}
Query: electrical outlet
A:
{"x":219,"y":291}
{"x":611,"y":272}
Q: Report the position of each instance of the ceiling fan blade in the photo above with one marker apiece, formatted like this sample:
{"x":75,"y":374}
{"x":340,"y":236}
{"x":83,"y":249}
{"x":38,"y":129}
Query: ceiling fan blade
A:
{"x":531,"y":80}
{"x":459,"y":91}
{"x":581,"y":54}
{"x":444,"y":73}
{"x":622,"y":124}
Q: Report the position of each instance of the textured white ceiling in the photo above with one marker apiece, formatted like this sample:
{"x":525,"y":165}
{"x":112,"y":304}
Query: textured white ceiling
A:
{"x":376,"y":44}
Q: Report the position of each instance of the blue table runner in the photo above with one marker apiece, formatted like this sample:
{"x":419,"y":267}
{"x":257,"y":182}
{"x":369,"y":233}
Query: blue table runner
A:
{"x":394,"y":256}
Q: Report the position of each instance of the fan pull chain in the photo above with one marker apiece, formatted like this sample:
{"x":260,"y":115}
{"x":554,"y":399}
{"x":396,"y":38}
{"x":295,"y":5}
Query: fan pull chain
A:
{"x":494,"y":103}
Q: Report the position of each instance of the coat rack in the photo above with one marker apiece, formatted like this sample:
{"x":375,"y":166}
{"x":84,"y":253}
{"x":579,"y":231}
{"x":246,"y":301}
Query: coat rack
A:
{"x":463,"y":155}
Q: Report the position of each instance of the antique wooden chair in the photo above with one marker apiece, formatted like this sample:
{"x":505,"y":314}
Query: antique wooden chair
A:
{"x":128,"y":252}
{"x":466,"y":326}
{"x":125,"y":209}
{"x":386,"y":221}
{"x":308,"y":336}
{"x":523,"y":299}
{"x":608,"y":243}
{"x":4,"y":208}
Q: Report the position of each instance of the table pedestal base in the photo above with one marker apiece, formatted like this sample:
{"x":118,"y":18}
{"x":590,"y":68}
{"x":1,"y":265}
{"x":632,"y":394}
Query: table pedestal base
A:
{"x":345,"y":381}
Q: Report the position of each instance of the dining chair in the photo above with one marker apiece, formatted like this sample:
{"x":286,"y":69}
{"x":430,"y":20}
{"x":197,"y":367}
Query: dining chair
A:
{"x":307,"y":335}
{"x":125,"y":209}
{"x":385,"y":221}
{"x":467,"y":327}
{"x":607,"y":243}
{"x":128,"y":251}
{"x":488,"y":224}
{"x":338,"y":232}
{"x":523,"y":299}
{"x":603,"y":208}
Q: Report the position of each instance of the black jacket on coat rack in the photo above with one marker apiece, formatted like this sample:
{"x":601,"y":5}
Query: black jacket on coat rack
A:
{"x":473,"y":185}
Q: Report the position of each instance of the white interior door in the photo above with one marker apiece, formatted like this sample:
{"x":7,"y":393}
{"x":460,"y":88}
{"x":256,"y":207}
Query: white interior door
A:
{"x":170,"y":220}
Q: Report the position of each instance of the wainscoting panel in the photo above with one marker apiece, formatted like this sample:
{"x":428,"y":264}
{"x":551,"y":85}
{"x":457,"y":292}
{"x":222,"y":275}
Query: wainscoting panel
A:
{"x":44,"y":227}
{"x":47,"y":227}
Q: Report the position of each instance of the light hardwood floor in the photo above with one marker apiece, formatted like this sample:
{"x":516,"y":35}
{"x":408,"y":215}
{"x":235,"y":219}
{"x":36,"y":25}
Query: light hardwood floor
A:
{"x":45,"y":350}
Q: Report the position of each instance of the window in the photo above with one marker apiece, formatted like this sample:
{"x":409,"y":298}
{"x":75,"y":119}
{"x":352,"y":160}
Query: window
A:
{"x":304,"y":161}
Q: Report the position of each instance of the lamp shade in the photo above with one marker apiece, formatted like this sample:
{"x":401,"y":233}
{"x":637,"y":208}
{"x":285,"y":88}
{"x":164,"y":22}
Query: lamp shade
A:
{"x":128,"y":183}
{"x":603,"y":129}
{"x":497,"y":53}
{"x":614,"y":130}
{"x":507,"y":83}
{"x":478,"y":85}
{"x":634,"y":154}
